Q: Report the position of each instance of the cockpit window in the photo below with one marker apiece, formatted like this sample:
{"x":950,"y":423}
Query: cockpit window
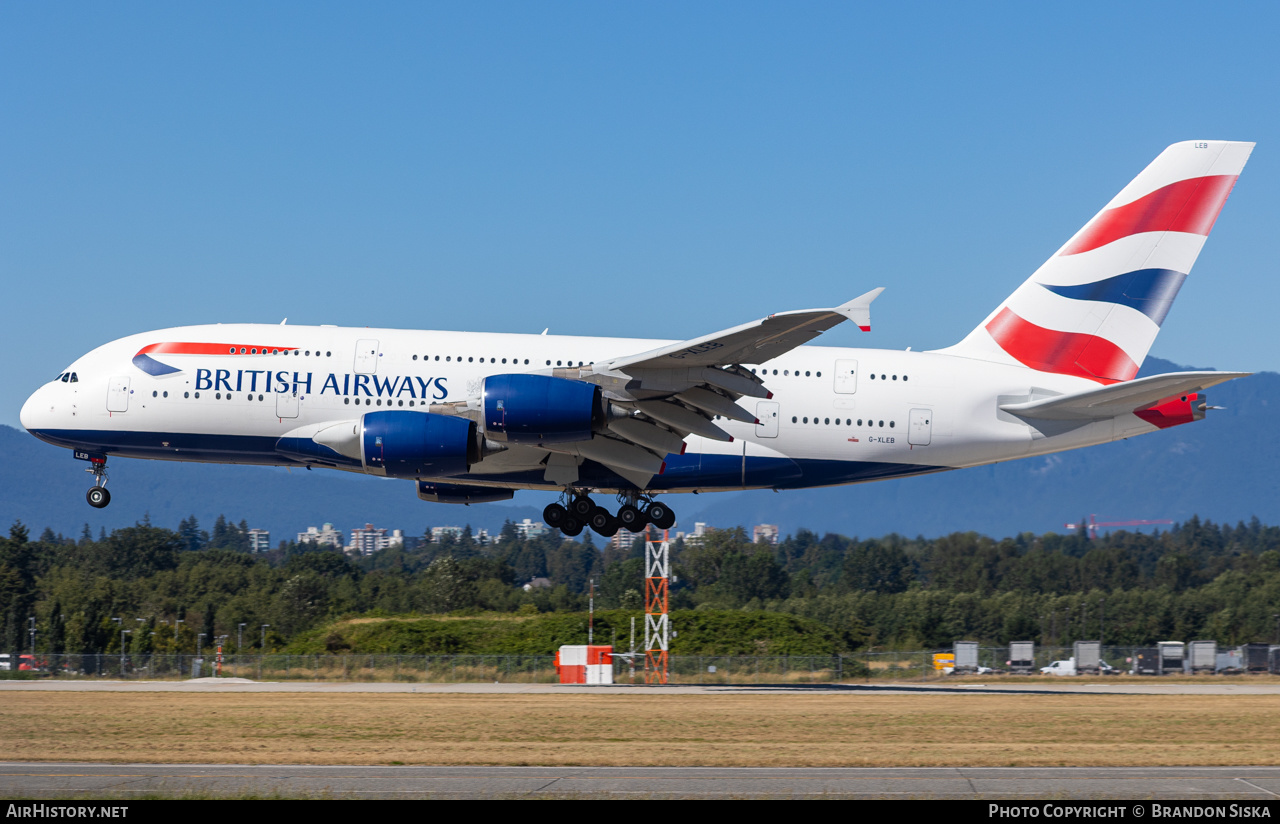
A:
{"x":66,"y":376}
{"x":74,"y":379}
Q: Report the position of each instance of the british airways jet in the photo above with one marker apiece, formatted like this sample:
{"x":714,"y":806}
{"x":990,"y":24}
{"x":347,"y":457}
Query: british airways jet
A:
{"x":472,"y":417}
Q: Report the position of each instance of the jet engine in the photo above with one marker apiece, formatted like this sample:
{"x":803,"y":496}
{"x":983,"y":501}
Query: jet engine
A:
{"x":398,"y":444}
{"x":538,"y":409}
{"x":414,"y":444}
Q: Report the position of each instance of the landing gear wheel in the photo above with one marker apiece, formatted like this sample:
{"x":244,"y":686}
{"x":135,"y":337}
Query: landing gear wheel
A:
{"x":582,"y":507}
{"x":571,"y":526}
{"x":604,"y":523}
{"x":631,"y":519}
{"x":98,"y":497}
{"x":554,"y":515}
{"x":660,"y":515}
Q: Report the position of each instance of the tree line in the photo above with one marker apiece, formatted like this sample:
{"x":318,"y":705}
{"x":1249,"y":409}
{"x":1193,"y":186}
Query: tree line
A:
{"x":145,"y":589}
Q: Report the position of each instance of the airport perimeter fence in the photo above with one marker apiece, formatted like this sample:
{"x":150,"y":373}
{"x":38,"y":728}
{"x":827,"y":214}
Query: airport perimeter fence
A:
{"x":422,"y":668}
{"x":682,"y":669}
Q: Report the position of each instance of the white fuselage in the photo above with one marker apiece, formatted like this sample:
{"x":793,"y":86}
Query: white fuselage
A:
{"x":836,"y":416}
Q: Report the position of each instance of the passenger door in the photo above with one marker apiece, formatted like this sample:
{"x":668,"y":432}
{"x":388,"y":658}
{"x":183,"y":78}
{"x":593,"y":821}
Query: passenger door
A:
{"x":846,"y":377}
{"x":920,"y":430}
{"x":366,"y":357}
{"x":287,"y":403}
{"x":767,"y":414}
{"x":118,"y":394}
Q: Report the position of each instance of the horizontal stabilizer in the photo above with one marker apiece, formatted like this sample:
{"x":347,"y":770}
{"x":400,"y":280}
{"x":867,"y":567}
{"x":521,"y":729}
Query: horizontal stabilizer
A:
{"x":1118,"y":399}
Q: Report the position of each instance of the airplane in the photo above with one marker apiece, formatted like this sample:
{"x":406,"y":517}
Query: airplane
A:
{"x":474,"y":417}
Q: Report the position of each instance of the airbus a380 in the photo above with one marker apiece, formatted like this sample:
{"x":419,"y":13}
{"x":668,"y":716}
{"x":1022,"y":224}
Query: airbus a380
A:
{"x":472,"y":417}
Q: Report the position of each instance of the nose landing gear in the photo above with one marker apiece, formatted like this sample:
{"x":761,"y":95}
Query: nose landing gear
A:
{"x":98,"y":496}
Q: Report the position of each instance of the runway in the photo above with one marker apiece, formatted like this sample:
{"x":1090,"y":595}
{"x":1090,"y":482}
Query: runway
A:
{"x":36,"y":780}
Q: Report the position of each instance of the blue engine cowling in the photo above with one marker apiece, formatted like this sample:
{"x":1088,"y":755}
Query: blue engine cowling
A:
{"x":418,"y":444}
{"x":541,"y":409}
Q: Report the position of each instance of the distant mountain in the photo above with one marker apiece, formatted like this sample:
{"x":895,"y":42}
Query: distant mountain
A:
{"x":1222,"y":468}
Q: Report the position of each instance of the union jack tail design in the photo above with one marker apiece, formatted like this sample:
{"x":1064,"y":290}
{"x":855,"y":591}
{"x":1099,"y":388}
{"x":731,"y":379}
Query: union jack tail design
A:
{"x":1094,"y":308}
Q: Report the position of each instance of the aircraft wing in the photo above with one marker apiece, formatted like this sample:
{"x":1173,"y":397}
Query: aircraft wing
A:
{"x":1118,"y":399}
{"x":660,"y":397}
{"x":754,"y":342}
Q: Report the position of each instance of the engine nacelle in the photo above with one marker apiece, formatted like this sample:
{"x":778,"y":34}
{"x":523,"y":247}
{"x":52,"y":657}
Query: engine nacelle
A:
{"x":1175,"y":410}
{"x":459,"y":494}
{"x":537,"y":409}
{"x":414,"y":444}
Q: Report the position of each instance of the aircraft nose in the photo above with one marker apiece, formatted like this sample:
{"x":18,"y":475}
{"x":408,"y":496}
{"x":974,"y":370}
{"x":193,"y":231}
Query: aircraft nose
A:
{"x":36,"y":411}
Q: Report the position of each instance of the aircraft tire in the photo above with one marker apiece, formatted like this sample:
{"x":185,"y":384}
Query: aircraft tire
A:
{"x":554,"y":515}
{"x":631,"y":518}
{"x":660,"y":515}
{"x":571,"y":526}
{"x":98,"y":497}
{"x":582,"y":507}
{"x":602,"y":522}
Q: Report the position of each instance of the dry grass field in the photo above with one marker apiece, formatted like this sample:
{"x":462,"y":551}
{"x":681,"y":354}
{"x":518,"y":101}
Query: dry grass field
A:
{"x":669,"y":730}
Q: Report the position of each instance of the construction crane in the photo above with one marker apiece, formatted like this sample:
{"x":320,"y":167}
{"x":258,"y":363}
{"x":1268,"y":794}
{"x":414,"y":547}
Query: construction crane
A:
{"x":1091,"y":528}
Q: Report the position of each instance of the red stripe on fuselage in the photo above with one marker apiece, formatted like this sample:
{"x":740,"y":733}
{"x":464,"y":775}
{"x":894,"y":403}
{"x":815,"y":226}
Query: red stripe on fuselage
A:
{"x":1063,"y":353}
{"x":1189,"y":206}
{"x":180,"y":348}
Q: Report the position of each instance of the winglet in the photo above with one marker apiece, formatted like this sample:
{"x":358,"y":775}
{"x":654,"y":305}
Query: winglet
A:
{"x":858,"y":310}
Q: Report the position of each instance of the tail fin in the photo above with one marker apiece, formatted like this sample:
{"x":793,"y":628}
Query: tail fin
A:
{"x":1094,"y":308}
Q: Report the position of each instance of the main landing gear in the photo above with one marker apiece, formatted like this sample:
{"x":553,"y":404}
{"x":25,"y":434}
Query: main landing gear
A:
{"x":580,"y":511}
{"x":98,"y":496}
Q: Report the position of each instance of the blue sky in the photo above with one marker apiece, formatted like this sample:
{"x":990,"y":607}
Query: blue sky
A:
{"x":653,"y":169}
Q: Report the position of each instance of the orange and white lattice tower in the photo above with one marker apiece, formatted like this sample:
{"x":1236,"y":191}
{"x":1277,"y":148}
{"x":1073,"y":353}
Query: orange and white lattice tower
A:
{"x":657,"y":623}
